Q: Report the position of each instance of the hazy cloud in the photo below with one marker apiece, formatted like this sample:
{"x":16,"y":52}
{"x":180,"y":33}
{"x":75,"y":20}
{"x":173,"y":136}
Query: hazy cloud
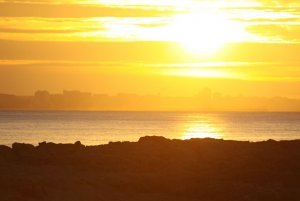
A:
{"x":144,"y":52}
{"x":76,"y":11}
{"x":285,"y":32}
{"x":12,"y":30}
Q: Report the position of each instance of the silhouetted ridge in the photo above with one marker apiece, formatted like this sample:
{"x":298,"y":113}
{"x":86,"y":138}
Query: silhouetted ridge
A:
{"x":154,"y":168}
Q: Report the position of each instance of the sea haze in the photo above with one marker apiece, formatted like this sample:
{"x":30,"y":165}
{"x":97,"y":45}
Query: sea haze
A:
{"x":92,"y":128}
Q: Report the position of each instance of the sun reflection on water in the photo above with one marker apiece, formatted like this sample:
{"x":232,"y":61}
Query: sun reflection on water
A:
{"x":201,"y":129}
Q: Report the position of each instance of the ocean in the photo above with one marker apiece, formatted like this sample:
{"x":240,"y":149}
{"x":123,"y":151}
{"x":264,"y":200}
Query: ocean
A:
{"x":93,"y":128}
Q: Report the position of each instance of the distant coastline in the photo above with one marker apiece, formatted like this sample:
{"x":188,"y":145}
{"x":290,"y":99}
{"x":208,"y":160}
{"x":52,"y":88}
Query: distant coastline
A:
{"x":205,"y":101}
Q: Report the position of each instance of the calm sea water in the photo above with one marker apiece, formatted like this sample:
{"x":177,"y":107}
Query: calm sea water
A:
{"x":93,"y":128}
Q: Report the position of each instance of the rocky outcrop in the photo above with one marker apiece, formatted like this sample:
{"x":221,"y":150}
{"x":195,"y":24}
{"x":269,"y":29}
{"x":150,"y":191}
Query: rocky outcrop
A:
{"x":154,"y":168}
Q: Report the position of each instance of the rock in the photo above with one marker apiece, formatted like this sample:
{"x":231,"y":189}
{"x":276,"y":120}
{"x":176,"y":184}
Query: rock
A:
{"x":153,"y":139}
{"x":22,"y":147}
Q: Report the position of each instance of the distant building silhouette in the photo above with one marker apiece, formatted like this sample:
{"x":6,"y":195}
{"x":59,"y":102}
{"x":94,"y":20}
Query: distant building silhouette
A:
{"x":205,"y":101}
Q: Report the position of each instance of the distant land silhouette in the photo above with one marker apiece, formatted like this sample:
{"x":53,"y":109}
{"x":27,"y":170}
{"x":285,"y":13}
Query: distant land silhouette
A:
{"x":205,"y":100}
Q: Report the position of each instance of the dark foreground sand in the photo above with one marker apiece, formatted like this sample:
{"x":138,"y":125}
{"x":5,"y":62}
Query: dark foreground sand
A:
{"x":154,"y":168}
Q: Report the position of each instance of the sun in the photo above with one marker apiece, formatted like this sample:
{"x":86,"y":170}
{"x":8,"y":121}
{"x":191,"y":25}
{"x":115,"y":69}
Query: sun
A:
{"x":204,"y":31}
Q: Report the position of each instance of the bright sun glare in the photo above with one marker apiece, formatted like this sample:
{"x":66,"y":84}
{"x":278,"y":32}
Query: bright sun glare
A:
{"x":204,"y":31}
{"x":201,"y":130}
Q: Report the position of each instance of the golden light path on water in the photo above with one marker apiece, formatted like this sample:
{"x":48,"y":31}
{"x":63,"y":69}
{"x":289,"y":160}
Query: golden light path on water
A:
{"x":201,"y":129}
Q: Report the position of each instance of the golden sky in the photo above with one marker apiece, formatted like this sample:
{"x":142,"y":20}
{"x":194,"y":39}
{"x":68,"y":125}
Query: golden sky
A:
{"x":171,"y":47}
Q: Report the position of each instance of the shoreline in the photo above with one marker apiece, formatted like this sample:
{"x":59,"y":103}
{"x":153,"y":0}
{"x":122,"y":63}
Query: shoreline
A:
{"x":78,"y":142}
{"x":154,"y":111}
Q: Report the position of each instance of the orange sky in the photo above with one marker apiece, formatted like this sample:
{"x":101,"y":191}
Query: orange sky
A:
{"x":169,"y":47}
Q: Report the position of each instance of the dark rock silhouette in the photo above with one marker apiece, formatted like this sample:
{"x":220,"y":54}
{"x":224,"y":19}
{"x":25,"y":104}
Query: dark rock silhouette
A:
{"x":154,"y":168}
